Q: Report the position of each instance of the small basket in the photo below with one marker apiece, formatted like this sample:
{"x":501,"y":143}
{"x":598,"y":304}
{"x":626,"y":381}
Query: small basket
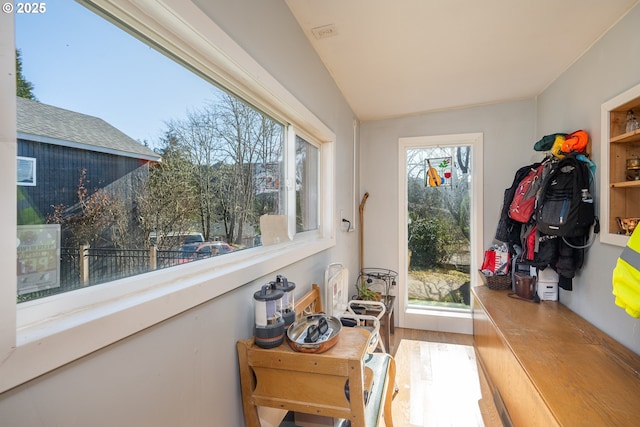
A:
{"x":498,"y":282}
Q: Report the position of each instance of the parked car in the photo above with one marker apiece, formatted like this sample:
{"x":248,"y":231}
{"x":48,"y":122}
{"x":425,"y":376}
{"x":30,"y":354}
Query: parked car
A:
{"x":194,"y":251}
{"x":175,"y":239}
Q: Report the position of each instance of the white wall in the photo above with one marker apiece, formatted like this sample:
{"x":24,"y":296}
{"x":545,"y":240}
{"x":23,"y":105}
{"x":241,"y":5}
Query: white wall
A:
{"x":573,"y":102}
{"x":183,"y":371}
{"x":508,"y":130}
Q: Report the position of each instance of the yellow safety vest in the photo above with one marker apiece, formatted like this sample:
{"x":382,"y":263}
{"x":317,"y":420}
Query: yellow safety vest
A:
{"x":626,"y":277}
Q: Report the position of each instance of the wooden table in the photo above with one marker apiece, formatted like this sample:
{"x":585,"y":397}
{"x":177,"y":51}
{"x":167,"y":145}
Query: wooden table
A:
{"x":307,"y":382}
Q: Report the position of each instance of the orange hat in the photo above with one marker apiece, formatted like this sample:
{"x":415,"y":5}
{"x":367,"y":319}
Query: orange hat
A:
{"x":576,"y":141}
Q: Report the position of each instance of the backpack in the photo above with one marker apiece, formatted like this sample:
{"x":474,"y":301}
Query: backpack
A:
{"x":523,"y":204}
{"x":565,"y":206}
{"x":538,"y":249}
{"x":508,"y":230}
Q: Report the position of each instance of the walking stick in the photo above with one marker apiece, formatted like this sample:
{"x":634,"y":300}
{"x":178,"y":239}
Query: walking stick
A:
{"x":362,"y":203}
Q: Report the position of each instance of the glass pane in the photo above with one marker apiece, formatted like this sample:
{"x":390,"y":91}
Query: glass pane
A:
{"x":438,"y":184}
{"x":129,"y":161}
{"x":307,"y":185}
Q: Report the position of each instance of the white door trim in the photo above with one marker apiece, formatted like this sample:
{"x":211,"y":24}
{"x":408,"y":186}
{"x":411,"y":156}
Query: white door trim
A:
{"x":439,"y":320}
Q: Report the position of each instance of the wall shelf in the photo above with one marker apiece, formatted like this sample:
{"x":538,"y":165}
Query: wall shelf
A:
{"x":627,"y":137}
{"x":625,"y":184}
{"x":620,"y":197}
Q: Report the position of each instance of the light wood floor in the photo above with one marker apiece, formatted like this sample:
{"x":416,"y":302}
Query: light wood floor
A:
{"x":439,"y":382}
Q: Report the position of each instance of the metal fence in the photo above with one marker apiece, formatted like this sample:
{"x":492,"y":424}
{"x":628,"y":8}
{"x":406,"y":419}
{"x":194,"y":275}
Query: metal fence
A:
{"x":84,"y":266}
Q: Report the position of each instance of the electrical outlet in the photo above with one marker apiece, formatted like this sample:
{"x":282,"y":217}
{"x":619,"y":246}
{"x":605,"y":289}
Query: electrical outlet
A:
{"x":343,"y":223}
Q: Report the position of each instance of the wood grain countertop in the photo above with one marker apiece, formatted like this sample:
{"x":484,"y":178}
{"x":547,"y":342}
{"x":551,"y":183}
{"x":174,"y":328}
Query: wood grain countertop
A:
{"x":584,"y":376}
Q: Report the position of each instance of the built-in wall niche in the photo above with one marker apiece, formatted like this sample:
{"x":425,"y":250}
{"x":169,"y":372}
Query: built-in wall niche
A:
{"x":620,"y":171}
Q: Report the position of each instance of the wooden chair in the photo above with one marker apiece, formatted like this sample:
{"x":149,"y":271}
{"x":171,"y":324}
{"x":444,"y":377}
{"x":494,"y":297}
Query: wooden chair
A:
{"x":310,"y":303}
{"x":274,"y":381}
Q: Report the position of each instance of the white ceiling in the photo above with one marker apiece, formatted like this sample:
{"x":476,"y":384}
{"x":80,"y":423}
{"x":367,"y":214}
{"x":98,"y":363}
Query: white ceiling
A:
{"x":394,"y":58}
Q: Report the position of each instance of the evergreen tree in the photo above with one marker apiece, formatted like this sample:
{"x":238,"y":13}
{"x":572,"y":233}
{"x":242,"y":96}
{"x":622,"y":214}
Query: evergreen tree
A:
{"x":24,"y":88}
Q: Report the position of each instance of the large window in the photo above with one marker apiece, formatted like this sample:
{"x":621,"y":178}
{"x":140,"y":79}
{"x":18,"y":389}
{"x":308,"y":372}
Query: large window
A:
{"x":142,"y":162}
{"x":131,"y":160}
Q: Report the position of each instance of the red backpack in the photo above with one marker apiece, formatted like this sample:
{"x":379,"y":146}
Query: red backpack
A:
{"x":523,"y":204}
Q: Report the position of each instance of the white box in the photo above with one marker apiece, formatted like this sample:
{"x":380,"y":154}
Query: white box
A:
{"x":547,"y":284}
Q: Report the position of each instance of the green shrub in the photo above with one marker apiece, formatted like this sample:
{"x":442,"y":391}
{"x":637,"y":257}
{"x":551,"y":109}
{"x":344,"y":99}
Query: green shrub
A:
{"x":434,"y":237}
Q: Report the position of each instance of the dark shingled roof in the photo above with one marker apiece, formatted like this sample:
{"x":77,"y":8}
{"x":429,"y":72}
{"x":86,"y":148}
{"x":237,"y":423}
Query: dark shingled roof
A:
{"x":36,"y":118}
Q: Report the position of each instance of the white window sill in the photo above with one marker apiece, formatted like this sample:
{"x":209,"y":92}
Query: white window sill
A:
{"x":70,"y":331}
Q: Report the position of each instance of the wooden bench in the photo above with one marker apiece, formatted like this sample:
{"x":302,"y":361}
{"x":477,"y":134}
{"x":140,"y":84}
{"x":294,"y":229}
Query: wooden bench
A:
{"x":547,"y":366}
{"x":274,"y":381}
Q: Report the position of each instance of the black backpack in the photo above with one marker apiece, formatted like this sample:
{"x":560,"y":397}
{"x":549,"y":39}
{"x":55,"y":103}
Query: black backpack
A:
{"x":565,"y":206}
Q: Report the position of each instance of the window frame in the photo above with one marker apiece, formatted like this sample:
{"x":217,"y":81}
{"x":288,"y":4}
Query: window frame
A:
{"x":33,"y":166}
{"x":309,"y":141}
{"x":41,"y":335}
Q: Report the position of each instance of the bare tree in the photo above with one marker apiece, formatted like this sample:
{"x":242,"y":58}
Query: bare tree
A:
{"x":167,"y":203}
{"x":195,"y":138}
{"x":247,"y":138}
{"x":88,"y":221}
{"x":212,"y":156}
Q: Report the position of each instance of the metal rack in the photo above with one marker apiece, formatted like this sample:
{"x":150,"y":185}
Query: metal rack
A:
{"x":379,"y":279}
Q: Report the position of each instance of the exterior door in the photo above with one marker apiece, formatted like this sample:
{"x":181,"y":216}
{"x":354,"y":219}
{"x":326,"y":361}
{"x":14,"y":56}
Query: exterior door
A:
{"x":440,"y":226}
